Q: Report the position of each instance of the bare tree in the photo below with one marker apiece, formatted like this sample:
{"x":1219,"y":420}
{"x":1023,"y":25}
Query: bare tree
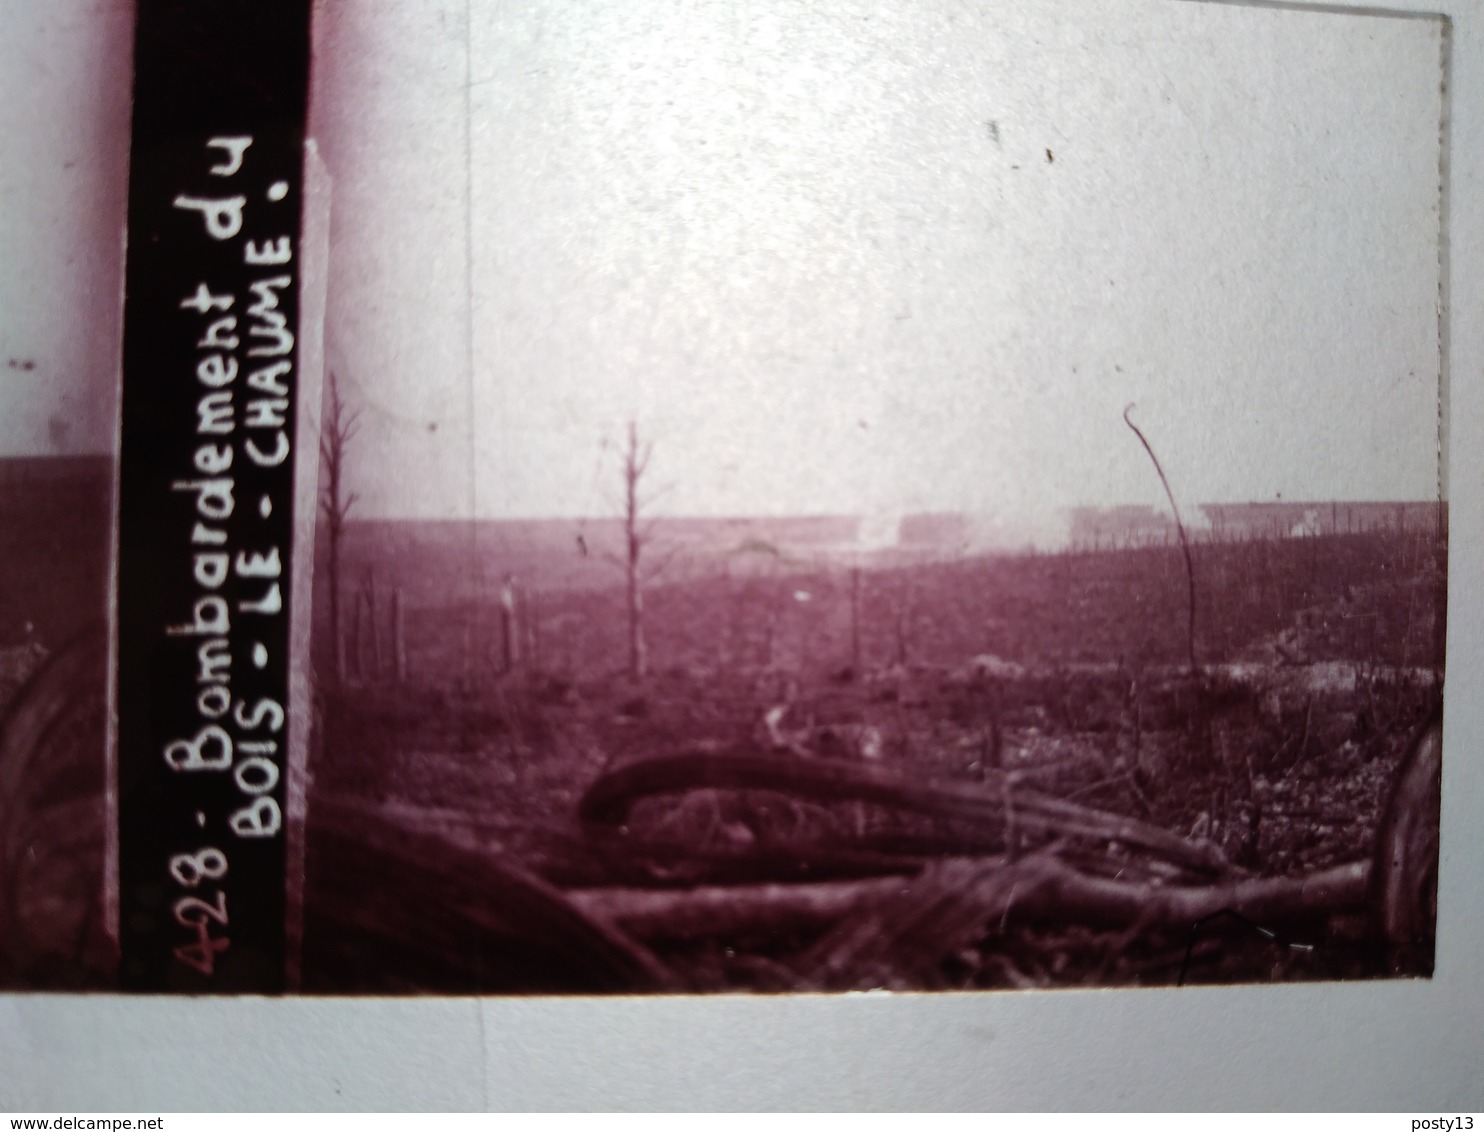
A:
{"x":637,"y":559}
{"x":635,"y":461}
{"x":336,"y":433}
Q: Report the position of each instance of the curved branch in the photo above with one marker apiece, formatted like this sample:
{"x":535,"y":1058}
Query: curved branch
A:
{"x":1179,"y":527}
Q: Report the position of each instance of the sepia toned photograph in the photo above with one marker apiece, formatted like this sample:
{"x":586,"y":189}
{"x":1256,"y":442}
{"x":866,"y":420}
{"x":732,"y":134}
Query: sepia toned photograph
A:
{"x":945,"y":498}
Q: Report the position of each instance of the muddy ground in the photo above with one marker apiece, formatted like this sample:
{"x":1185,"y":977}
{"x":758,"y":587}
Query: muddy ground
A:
{"x":1066,"y":674}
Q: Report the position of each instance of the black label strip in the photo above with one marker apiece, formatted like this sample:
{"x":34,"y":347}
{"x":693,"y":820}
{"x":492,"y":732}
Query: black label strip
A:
{"x":210,"y":379}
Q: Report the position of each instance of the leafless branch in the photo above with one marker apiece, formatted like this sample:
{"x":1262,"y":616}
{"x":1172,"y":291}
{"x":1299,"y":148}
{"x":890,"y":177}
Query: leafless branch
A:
{"x":1179,"y":526}
{"x":336,"y":433}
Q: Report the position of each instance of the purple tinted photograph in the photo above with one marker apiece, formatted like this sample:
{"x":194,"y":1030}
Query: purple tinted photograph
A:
{"x":939,"y":499}
{"x":697,"y":499}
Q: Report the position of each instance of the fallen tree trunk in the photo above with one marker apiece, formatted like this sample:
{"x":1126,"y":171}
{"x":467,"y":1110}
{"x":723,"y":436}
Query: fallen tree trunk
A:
{"x":1035,"y":889}
{"x":1271,"y":901}
{"x":716,"y":911}
{"x":903,"y":942}
{"x":608,"y":801}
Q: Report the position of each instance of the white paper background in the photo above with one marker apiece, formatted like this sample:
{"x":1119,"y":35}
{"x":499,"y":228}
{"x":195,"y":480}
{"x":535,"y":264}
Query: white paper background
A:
{"x":63,"y":93}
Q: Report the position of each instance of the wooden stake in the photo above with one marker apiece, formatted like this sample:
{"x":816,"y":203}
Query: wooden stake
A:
{"x":378,"y":659}
{"x":399,"y":636}
{"x":357,"y":636}
{"x":855,"y":619}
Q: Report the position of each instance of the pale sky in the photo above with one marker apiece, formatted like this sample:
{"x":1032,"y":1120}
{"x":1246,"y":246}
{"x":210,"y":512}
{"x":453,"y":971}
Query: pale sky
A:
{"x":819,"y":252}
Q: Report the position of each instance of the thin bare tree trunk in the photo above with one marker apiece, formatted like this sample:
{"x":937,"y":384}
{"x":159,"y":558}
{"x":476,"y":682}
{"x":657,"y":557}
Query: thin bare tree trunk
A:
{"x":337,"y":632}
{"x":634,"y":463}
{"x":335,"y":502}
{"x":1184,"y":541}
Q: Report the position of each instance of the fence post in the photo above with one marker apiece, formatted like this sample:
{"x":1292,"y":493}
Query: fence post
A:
{"x":378,"y":658}
{"x":399,"y":637}
{"x":357,"y":639}
{"x":855,"y":618}
{"x":533,"y":629}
